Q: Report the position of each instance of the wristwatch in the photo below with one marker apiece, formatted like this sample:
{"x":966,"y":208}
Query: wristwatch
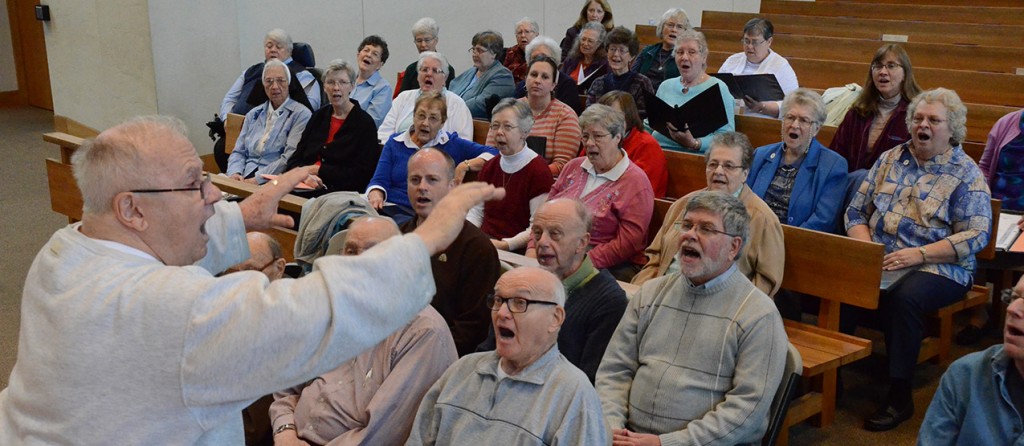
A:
{"x":284,"y":427}
{"x":924,"y":254}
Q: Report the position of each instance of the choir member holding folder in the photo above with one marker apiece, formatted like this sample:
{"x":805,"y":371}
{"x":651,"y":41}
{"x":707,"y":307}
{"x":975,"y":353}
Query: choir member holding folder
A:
{"x":698,"y":105}
{"x":756,"y":59}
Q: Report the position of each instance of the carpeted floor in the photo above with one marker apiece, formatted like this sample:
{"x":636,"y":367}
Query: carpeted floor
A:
{"x":28,"y":222}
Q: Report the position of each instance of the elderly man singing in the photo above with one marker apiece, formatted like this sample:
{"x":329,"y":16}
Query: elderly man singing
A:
{"x":718,"y":388}
{"x":525,"y":392}
{"x":128,"y":338}
{"x":371,"y":399}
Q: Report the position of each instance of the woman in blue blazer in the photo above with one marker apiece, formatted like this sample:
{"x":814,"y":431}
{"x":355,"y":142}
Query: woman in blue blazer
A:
{"x":801,"y":180}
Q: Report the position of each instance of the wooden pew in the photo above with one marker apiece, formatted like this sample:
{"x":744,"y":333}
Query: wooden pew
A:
{"x":923,"y":55}
{"x":935,"y":2}
{"x":972,"y":87}
{"x":970,"y":34}
{"x":686,"y":173}
{"x":480,"y":129}
{"x":232,"y":128}
{"x":952,"y":16}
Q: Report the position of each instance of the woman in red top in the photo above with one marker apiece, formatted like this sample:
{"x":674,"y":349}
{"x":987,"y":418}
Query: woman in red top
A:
{"x":642,"y":149}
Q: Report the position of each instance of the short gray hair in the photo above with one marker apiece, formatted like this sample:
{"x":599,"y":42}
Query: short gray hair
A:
{"x":337,"y":65}
{"x":279,"y":36}
{"x":733,"y":140}
{"x":604,"y":116}
{"x":734,"y":214}
{"x":547,"y":42}
{"x":694,"y":35}
{"x":112,"y":162}
{"x":524,"y":117}
{"x":672,"y":13}
{"x":425,"y":25}
{"x":436,"y":56}
{"x":277,"y":63}
{"x":807,"y":98}
{"x":533,"y":24}
{"x":759,"y":25}
{"x":491,"y":41}
{"x":956,"y":112}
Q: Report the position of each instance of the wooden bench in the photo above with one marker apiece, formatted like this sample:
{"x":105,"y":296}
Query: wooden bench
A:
{"x":972,"y":87}
{"x":936,"y":2}
{"x":480,"y":130}
{"x":923,"y":55}
{"x":953,"y":16}
{"x":686,"y":173}
{"x":967,"y":34}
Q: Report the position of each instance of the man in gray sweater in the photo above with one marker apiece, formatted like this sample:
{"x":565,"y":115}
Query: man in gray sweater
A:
{"x":699,"y":354}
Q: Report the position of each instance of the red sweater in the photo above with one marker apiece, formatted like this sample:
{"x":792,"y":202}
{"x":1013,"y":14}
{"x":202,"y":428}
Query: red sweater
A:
{"x":509,"y":216}
{"x":644,"y":151}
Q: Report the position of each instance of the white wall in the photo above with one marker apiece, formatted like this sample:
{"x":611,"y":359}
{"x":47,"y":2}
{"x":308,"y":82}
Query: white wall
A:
{"x":101,"y":60}
{"x":199,"y":47}
{"x":8,"y":75}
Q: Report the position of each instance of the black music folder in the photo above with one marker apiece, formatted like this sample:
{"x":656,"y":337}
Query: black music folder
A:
{"x":703,"y":114}
{"x":761,"y":87}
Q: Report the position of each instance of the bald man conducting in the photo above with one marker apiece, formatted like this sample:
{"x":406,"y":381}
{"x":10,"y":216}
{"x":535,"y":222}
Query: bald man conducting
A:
{"x":523,"y":393}
{"x":372,"y":399}
{"x":128,"y":338}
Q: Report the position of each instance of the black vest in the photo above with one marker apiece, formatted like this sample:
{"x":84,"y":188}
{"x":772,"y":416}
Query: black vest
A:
{"x":254,"y":94}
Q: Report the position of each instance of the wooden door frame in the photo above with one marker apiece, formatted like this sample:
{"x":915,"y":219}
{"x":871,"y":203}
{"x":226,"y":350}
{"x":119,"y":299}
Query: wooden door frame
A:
{"x":19,"y":96}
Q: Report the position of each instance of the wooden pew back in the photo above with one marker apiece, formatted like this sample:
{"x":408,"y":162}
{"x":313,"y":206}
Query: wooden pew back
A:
{"x":686,"y":173}
{"x":480,"y":129}
{"x":232,"y":128}
{"x":940,"y":15}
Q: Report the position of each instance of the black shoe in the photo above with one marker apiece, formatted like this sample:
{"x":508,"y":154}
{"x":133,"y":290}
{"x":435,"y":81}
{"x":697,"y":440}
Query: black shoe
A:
{"x":888,"y":418}
{"x":970,"y":335}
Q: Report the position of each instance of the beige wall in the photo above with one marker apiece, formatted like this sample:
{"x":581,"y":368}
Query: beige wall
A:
{"x":101,"y":60}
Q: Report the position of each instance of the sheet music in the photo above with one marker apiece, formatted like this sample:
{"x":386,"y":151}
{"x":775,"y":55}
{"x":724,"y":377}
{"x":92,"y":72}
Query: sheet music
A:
{"x":1008,"y":231}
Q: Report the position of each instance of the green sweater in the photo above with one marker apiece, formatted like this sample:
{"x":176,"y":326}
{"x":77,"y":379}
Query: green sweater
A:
{"x":696,"y":366}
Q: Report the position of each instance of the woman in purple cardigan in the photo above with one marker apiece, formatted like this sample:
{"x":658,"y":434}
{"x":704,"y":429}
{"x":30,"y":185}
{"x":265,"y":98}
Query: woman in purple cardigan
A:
{"x":615,"y":190}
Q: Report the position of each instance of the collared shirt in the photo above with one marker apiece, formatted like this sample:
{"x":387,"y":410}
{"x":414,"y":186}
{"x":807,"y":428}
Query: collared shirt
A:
{"x":272,"y":114}
{"x":374,"y":96}
{"x":583,"y":274}
{"x":595,"y":180}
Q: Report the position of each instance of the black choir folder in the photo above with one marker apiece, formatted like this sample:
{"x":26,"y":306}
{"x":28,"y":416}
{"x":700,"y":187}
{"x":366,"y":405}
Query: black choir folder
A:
{"x":703,"y":114}
{"x":761,"y":87}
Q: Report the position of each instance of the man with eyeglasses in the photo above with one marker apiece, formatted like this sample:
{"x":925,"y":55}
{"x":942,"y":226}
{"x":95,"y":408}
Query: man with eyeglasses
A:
{"x":981,"y":395}
{"x":425,"y":35}
{"x":763,"y":257}
{"x":524,"y":392}
{"x":372,"y":399}
{"x":266,"y":257}
{"x":128,"y":338}
{"x":699,"y":353}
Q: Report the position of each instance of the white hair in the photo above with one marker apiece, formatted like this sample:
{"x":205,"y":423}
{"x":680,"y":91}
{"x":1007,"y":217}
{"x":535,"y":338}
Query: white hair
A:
{"x":277,"y":63}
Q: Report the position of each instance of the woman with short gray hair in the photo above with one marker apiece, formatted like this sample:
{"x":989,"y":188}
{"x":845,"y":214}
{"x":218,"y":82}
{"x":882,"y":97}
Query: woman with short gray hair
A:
{"x":655,"y":61}
{"x":615,"y":190}
{"x":758,"y":58}
{"x":425,"y":34}
{"x":488,"y":80}
{"x":340,"y":139}
{"x":515,"y":60}
{"x":521,"y":171}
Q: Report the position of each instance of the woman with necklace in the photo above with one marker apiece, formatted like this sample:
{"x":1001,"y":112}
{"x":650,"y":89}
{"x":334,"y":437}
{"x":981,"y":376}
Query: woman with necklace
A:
{"x":691,"y":56}
{"x":554,"y":121}
{"x":340,"y":140}
{"x":800,"y":180}
{"x":519,"y":170}
{"x":655,"y":61}
{"x":622,"y":48}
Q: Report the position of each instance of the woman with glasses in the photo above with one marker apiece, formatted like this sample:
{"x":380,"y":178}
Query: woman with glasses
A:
{"x":593,"y":11}
{"x":929,"y":204}
{"x":527,"y":29}
{"x":801,"y":180}
{"x":555,"y":123}
{"x":876,"y":121}
{"x":758,"y":58}
{"x":271,"y":130}
{"x":622,"y":48}
{"x":432,"y":70}
{"x":640,"y":146}
{"x":615,"y":190}
{"x":761,"y":258}
{"x":655,"y":61}
{"x":340,"y":140}
{"x":587,"y":60}
{"x":523,"y":174}
{"x":488,"y":81}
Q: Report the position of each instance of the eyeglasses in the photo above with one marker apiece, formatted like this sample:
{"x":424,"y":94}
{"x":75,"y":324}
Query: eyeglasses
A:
{"x":477,"y":50}
{"x":804,"y":122}
{"x":931,"y":120}
{"x":251,"y":268}
{"x":672,"y":25}
{"x":429,"y":118}
{"x":420,"y":40}
{"x":728,"y":167}
{"x":594,"y":136}
{"x":753,"y":43}
{"x":336,"y":83}
{"x":201,"y":188}
{"x":503,"y":127}
{"x":280,"y":80}
{"x":889,"y":66}
{"x":703,"y":231}
{"x":618,"y":49}
{"x":515,"y":304}
{"x":523,"y":32}
{"x":429,"y":70}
